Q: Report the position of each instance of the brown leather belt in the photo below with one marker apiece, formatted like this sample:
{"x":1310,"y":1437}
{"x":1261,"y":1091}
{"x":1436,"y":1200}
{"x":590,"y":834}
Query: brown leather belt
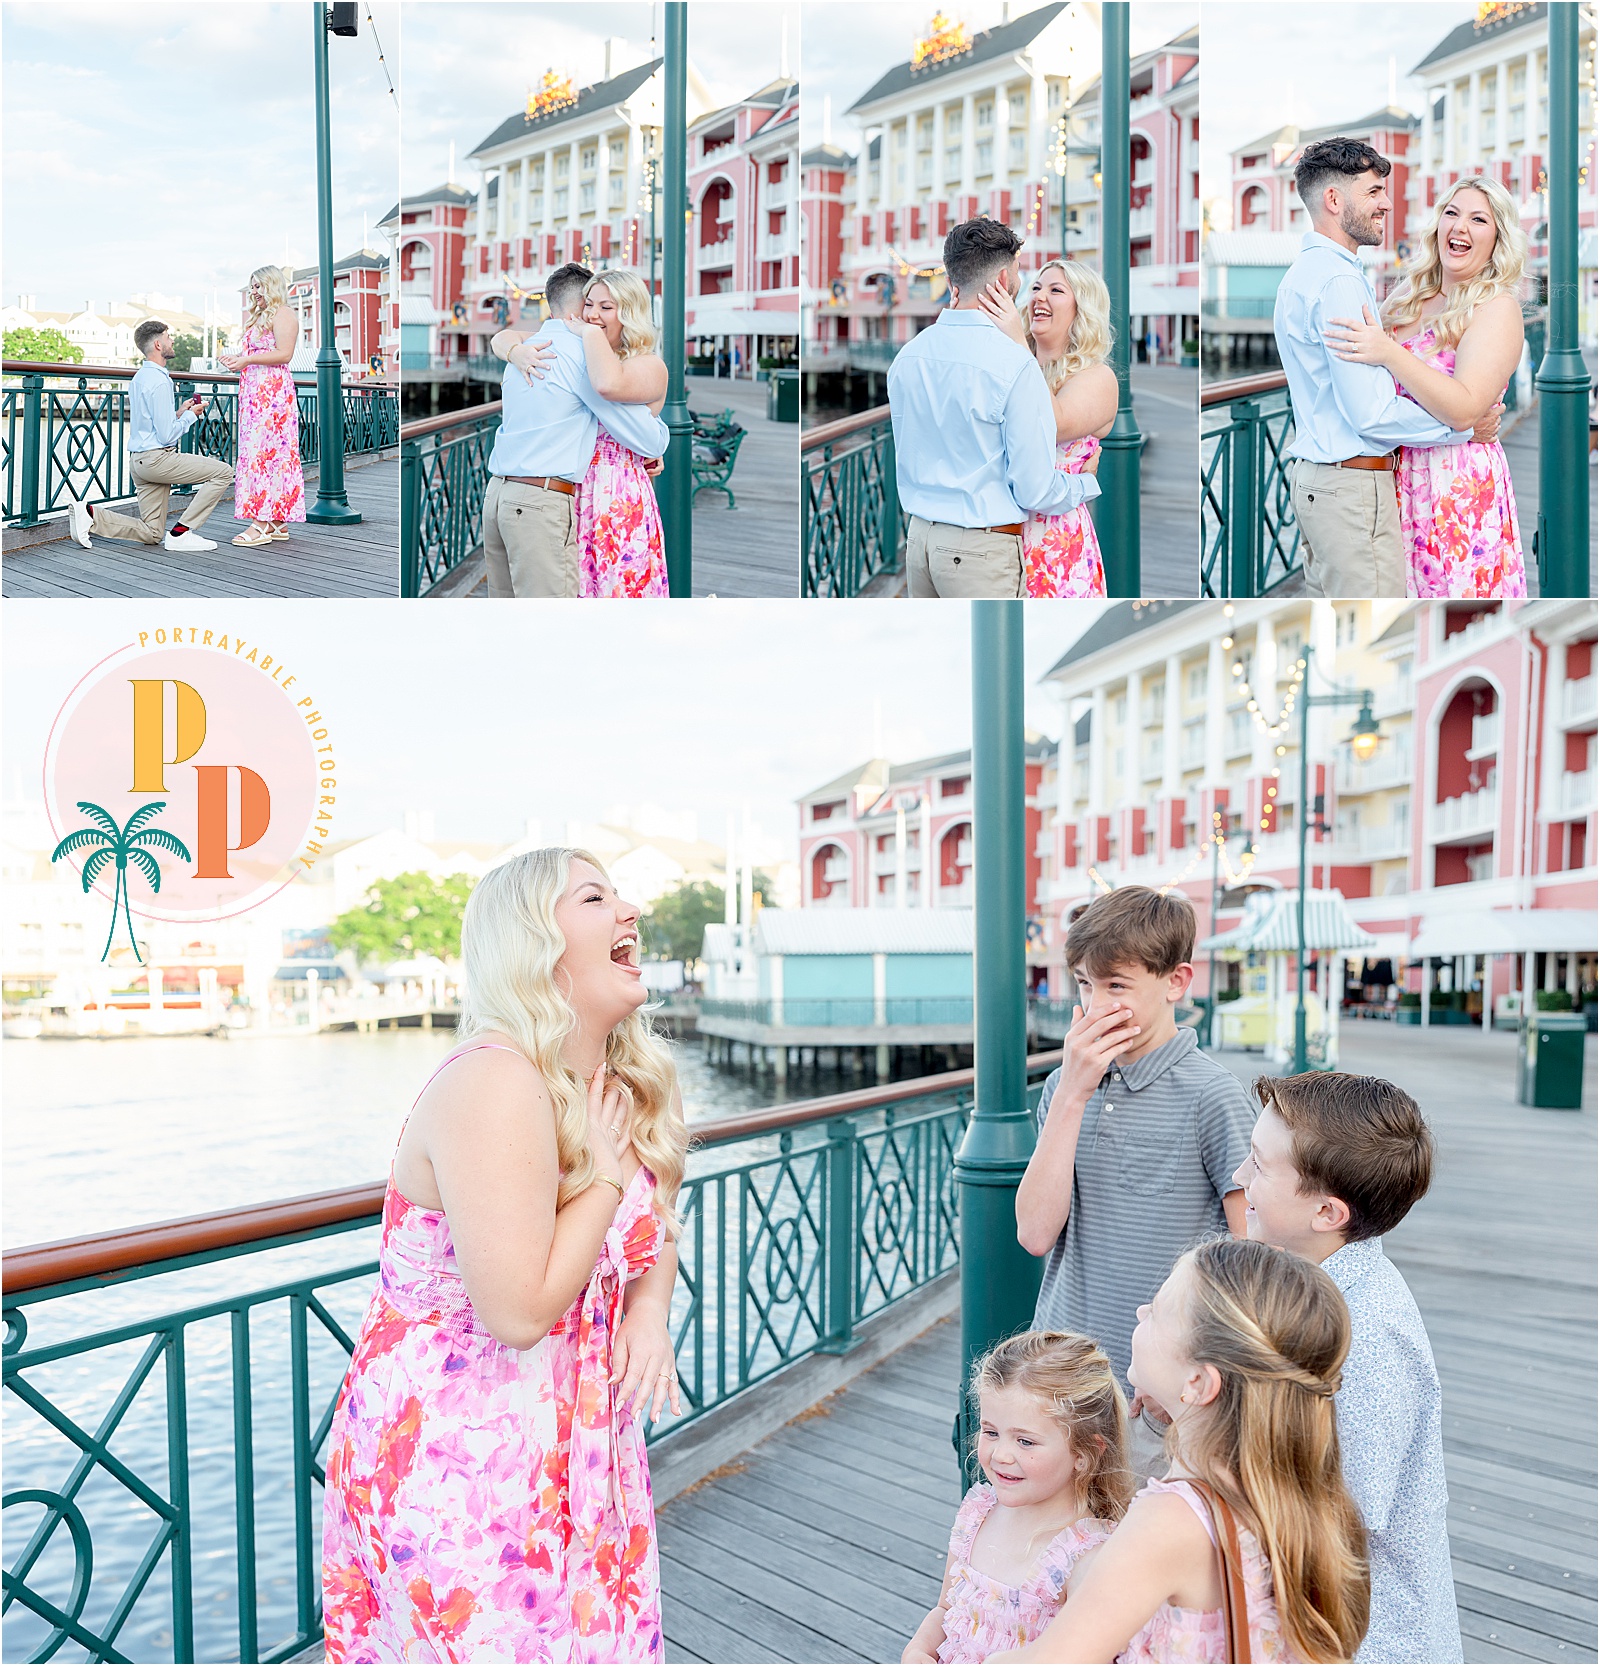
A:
{"x":1384,"y":462}
{"x":549,"y":482}
{"x":1014,"y":530}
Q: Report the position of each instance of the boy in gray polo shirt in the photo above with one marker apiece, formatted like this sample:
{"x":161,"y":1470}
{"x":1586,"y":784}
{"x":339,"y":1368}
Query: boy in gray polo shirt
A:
{"x":1139,"y":1132}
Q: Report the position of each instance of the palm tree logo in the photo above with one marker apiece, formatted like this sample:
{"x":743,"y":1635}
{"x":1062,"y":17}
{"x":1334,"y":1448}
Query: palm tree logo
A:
{"x":107,"y":842}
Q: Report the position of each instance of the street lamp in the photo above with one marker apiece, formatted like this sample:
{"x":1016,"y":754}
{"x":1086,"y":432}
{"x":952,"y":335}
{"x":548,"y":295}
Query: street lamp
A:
{"x":332,"y":507}
{"x":1365,"y":735}
{"x":677,"y":507}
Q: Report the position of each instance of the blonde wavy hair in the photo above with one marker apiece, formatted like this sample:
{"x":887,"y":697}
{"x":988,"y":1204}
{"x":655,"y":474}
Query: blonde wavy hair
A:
{"x":1424,"y":276}
{"x":1089,"y":340}
{"x":1277,"y":1331}
{"x":510,"y":943}
{"x":628,"y":290}
{"x":1074,"y":1381}
{"x":272,"y":291}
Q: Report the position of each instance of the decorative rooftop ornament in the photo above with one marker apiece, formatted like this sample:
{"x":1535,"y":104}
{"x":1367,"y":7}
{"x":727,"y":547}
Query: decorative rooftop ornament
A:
{"x":945,"y":40}
{"x":556,"y":92}
{"x":1497,"y":11}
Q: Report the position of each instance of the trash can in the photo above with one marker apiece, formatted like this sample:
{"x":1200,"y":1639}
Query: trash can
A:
{"x":783,"y":396}
{"x":1550,"y":1060}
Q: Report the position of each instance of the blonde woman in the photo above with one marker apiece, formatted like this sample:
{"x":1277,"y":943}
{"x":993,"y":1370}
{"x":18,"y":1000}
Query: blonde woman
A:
{"x":269,"y":488}
{"x":488,"y":1495}
{"x":1242,"y":1348}
{"x":1451,"y":336}
{"x":1068,"y":330}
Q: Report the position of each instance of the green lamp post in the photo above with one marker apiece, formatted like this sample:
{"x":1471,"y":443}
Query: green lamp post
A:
{"x":1365,"y":735}
{"x":1563,"y":378}
{"x":1117,"y":508}
{"x":999,"y":1279}
{"x":677,"y":503}
{"x":332,"y":507}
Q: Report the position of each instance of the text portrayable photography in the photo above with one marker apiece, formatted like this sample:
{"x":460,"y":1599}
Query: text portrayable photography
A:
{"x":1400,"y":302}
{"x":1033,"y":172}
{"x":600,"y":251}
{"x":201,"y":372}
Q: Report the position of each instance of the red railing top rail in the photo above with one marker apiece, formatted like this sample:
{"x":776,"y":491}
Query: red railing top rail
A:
{"x":126,"y":373}
{"x":99,"y":1254}
{"x":827,"y":432}
{"x":1241,"y":387}
{"x":423,"y":426}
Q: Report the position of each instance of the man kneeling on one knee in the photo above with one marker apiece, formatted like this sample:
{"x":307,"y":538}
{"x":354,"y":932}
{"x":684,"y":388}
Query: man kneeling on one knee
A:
{"x":155,"y":425}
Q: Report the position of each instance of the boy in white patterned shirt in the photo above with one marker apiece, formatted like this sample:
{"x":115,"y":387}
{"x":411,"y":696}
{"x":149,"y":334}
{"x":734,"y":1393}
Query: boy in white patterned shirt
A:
{"x":1335,"y":1161}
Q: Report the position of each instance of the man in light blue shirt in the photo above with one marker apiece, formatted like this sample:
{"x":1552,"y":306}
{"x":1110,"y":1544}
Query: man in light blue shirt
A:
{"x":155,"y":425}
{"x":547,"y":432}
{"x":974,"y":433}
{"x":1348,"y":417}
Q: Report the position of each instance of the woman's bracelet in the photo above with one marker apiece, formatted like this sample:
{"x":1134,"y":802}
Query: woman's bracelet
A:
{"x":605,"y":1179}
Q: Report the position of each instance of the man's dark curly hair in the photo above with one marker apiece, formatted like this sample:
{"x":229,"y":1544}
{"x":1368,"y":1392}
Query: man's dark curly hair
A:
{"x":1334,"y":162}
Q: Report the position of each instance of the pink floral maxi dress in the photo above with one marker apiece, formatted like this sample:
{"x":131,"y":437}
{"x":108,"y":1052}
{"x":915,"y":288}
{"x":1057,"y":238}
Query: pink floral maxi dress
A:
{"x":268,"y":483}
{"x":484,"y":1503}
{"x":1060,"y":553}
{"x":1201,"y":1634}
{"x":1458,"y":516}
{"x":620,"y":548}
{"x":983,"y":1617}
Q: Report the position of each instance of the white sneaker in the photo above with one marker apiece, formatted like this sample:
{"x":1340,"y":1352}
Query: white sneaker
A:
{"x":78,"y":521}
{"x":187,"y":541}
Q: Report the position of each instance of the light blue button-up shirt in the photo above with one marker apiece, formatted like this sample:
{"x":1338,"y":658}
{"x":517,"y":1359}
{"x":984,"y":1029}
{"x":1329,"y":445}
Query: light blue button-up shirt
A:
{"x":153,"y":420}
{"x":1340,"y":409}
{"x":548,"y":427}
{"x":1391,"y":1446}
{"x":974,"y":428}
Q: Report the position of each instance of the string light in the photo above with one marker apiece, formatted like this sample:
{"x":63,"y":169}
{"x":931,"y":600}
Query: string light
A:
{"x":381,"y":59}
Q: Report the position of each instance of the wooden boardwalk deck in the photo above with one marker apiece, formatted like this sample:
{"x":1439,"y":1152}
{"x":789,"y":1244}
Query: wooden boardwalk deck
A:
{"x":317,"y":561}
{"x":826,"y":1542}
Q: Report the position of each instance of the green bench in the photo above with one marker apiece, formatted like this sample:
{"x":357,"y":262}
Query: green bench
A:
{"x":711,"y":461}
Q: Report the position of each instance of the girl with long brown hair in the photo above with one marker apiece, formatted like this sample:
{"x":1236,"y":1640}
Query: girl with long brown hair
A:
{"x":1242,"y":1347}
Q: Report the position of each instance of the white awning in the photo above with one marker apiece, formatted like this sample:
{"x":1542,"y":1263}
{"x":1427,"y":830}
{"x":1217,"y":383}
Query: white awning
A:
{"x":1271,"y":925}
{"x":1160,"y":299}
{"x":739,"y":321}
{"x":1505,"y":931}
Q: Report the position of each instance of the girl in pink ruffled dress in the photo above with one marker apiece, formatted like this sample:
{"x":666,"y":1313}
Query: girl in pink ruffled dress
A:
{"x":1053,"y":1440}
{"x":1451,"y":336}
{"x":1242,"y":1349}
{"x":1068,"y":330}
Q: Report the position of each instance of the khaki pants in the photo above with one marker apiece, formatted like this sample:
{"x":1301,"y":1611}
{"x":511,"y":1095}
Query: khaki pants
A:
{"x":962,"y":561}
{"x":155,"y":473}
{"x":1349,"y":531}
{"x":530,"y":540}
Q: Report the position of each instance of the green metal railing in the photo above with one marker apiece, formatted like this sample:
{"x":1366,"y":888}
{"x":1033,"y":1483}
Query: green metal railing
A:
{"x":832,"y":1011}
{"x":853,"y":527}
{"x":1250,"y":541}
{"x":444,"y":478}
{"x":64,"y":431}
{"x":829,"y":1211}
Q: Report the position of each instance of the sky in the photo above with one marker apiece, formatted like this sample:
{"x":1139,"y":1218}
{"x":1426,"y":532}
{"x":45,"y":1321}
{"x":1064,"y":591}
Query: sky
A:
{"x":468,"y":66}
{"x":1335,"y":65}
{"x":172,"y":148}
{"x":841,"y":63}
{"x":490,"y":717}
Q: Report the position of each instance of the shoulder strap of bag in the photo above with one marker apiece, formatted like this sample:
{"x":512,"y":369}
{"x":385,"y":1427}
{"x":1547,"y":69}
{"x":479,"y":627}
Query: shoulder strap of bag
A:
{"x":1235,"y":1606}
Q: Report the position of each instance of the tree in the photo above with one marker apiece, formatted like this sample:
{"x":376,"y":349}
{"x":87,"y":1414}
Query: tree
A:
{"x":412,"y":914}
{"x":675,"y":927}
{"x":107,"y":843}
{"x":186,"y":349}
{"x":47,"y":346}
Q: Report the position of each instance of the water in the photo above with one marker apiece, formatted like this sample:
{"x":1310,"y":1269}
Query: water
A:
{"x":103,"y":1134}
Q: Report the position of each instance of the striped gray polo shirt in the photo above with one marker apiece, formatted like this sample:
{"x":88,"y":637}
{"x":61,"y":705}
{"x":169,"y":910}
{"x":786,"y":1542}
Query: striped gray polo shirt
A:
{"x":1160,"y":1141}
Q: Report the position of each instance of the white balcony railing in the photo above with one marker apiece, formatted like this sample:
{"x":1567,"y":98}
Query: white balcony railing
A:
{"x":1142,"y":221}
{"x":955,"y":896}
{"x":964,"y":853}
{"x":1390,"y":768}
{"x":710,"y":255}
{"x":1578,"y":700}
{"x":1485,"y":734}
{"x":1577,"y":797}
{"x":1393,"y":697}
{"x":835,"y":872}
{"x":1469,"y":813}
{"x":1376,"y":843}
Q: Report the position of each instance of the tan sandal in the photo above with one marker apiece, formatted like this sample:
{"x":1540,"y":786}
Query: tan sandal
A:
{"x":253,"y":539}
